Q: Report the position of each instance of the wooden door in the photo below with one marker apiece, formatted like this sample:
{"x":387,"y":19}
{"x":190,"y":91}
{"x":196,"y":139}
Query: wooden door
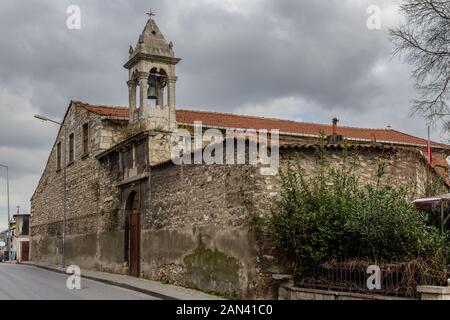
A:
{"x":25,"y":251}
{"x":135,"y":244}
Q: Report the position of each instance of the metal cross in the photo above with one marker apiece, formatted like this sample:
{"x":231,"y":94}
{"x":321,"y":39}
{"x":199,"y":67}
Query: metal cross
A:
{"x":151,"y":13}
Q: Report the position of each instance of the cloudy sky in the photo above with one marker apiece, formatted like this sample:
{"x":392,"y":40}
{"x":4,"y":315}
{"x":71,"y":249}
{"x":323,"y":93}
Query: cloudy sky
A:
{"x":304,"y":60}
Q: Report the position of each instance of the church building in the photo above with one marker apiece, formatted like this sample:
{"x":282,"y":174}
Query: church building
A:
{"x":111,"y":199}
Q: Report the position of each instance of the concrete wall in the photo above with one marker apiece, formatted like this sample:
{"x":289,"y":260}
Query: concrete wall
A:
{"x":195,"y":231}
{"x":210,"y":258}
{"x":288,"y":292}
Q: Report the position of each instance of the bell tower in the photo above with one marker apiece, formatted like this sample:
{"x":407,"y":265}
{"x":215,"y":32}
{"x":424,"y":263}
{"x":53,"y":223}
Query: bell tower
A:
{"x":152,"y":79}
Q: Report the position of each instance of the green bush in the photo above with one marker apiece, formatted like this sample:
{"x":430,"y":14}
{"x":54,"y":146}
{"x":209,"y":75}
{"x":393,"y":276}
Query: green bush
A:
{"x":388,"y":227}
{"x":330,"y":215}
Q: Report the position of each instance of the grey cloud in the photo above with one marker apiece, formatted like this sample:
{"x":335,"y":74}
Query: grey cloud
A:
{"x":234,"y":58}
{"x":326,"y":53}
{"x":325,"y":57}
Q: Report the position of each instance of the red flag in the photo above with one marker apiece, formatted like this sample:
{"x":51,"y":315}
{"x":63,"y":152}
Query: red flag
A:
{"x":429,"y":150}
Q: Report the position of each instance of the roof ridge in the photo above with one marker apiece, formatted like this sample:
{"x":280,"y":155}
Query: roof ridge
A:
{"x":322,"y":125}
{"x":281,"y":119}
{"x":311,"y":123}
{"x":244,"y":115}
{"x":258,"y":117}
{"x":410,"y":135}
{"x":99,"y":106}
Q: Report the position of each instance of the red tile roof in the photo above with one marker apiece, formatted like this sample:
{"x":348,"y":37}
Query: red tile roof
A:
{"x":226,"y":120}
{"x":440,"y":162}
{"x":104,"y":110}
{"x":441,"y":168}
{"x":294,"y":127}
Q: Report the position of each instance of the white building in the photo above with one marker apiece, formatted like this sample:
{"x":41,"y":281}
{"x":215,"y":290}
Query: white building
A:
{"x":21,"y":237}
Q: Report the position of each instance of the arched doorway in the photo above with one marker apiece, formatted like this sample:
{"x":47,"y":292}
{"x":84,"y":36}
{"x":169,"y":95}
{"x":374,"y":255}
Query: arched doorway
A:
{"x":133,"y":234}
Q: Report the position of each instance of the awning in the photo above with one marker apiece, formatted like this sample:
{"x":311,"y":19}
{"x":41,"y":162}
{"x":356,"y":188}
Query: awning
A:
{"x":426,"y":203}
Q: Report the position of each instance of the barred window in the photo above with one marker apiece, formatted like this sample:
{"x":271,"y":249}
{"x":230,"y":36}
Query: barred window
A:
{"x":58,"y":156}
{"x":85,"y":139}
{"x":71,"y":148}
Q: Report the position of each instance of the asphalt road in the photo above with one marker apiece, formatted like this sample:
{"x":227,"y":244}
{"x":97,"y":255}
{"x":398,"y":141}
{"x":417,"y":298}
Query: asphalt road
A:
{"x":20,"y":282}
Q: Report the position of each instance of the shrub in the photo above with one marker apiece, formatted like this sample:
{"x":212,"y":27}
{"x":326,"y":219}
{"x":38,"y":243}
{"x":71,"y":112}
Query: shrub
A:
{"x":388,"y":227}
{"x":330,"y":215}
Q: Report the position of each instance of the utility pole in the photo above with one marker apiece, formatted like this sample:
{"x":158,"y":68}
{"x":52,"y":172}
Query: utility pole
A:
{"x":8,"y":242}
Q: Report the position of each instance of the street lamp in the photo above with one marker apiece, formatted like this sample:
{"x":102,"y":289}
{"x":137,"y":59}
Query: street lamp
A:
{"x":63,"y":249}
{"x":8,"y":242}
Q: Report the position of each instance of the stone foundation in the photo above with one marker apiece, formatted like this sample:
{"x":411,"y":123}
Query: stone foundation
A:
{"x":288,"y":292}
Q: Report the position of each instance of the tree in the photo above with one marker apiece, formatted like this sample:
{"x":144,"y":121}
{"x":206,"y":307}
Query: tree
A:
{"x":424,"y":39}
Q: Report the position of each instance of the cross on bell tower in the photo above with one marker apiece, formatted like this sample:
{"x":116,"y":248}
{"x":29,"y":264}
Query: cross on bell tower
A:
{"x":152,"y":79}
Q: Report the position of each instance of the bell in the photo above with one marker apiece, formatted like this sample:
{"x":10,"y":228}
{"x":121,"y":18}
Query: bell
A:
{"x":152,"y":83}
{"x":151,"y":93}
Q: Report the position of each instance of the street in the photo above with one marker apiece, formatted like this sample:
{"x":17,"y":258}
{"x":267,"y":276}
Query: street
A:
{"x":20,"y":282}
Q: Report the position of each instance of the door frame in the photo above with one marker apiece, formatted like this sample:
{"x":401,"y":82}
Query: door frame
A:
{"x":132,"y":229}
{"x":135,"y":244}
{"x":26,"y":252}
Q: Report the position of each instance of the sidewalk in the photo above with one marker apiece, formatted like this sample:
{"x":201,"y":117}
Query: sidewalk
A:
{"x":153,"y":288}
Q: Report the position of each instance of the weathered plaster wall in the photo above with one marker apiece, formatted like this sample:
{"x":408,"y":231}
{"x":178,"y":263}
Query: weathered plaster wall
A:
{"x":195,"y":232}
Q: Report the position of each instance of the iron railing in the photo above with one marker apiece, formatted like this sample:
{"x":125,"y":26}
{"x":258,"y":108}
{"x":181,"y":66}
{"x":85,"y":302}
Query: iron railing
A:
{"x":397,"y":279}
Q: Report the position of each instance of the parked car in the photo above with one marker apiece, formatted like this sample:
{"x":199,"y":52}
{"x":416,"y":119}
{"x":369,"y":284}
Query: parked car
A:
{"x":4,"y":257}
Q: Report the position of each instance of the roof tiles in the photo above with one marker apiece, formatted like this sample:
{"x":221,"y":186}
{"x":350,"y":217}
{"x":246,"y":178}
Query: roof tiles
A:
{"x":225,"y":120}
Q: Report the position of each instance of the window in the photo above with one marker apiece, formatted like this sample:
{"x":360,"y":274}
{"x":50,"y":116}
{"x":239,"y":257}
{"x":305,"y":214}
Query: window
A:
{"x":58,"y":156}
{"x":25,"y":226}
{"x":71,"y":148}
{"x":85,"y":139}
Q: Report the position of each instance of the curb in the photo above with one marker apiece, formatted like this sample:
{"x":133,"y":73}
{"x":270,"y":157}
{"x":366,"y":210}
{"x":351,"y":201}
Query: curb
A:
{"x":109,"y":282}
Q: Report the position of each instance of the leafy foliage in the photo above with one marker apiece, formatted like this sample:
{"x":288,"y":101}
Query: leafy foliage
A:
{"x":424,"y":40}
{"x":330,"y":215}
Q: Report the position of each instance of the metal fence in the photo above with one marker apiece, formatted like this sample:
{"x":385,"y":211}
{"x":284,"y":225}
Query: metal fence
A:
{"x":397,"y":279}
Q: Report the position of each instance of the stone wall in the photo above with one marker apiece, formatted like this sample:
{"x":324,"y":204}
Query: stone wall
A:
{"x":87,"y":207}
{"x":195,"y":232}
{"x":160,"y":146}
{"x":403,"y":167}
{"x":204,"y":214}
